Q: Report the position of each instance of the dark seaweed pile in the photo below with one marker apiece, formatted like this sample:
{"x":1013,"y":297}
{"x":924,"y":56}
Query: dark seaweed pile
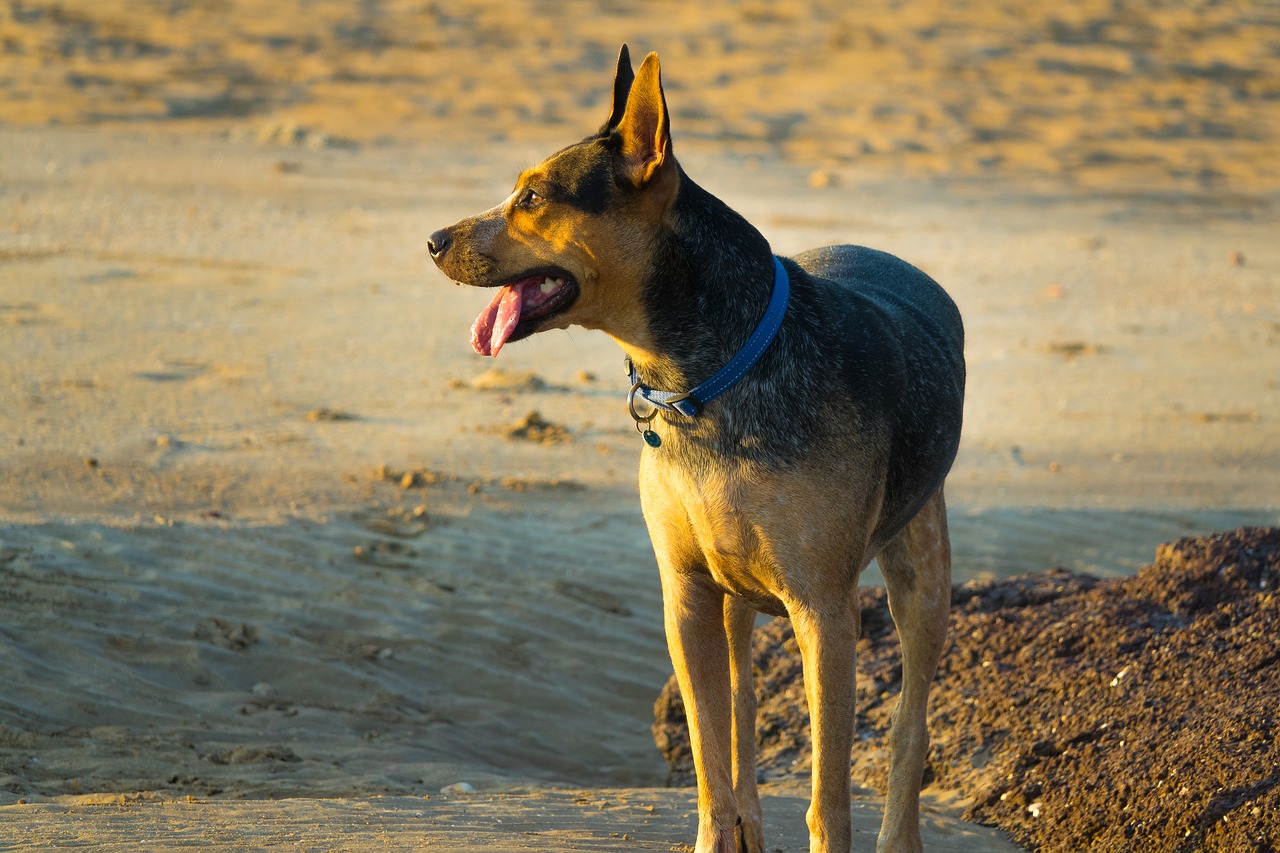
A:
{"x":1074,"y":713}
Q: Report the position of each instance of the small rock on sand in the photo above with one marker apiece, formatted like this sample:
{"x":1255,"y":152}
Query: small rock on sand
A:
{"x":458,"y":788}
{"x":534,"y":427}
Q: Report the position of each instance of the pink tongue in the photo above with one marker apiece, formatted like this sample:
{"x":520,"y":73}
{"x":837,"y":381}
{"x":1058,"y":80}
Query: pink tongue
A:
{"x":496,"y":322}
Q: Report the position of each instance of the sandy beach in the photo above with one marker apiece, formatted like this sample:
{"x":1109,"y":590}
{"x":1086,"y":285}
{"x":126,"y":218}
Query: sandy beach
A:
{"x":281,"y":559}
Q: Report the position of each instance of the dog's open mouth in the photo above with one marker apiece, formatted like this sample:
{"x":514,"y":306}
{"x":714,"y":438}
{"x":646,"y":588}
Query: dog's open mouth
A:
{"x":515,"y":310}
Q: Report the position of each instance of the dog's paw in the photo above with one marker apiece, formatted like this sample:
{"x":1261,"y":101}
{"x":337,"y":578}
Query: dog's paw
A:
{"x":750,"y":833}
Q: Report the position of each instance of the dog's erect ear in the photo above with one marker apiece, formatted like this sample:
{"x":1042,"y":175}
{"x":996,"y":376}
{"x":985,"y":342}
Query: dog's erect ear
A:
{"x":622,"y":80}
{"x":645,"y":128}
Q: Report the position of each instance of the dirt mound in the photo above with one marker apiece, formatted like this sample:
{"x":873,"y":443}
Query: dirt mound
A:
{"x":1074,"y":713}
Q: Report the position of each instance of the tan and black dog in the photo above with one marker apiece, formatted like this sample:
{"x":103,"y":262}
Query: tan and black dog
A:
{"x":828,"y":447}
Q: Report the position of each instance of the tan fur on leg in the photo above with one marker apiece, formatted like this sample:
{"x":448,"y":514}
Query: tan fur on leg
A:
{"x":917,"y":572}
{"x":694,"y":616}
{"x":739,"y":620}
{"x":827,"y":646}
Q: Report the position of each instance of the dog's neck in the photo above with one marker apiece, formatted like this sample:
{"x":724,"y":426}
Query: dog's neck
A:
{"x":706,"y":292}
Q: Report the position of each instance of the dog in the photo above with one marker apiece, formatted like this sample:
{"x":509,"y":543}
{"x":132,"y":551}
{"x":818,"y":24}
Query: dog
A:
{"x":799,"y":418}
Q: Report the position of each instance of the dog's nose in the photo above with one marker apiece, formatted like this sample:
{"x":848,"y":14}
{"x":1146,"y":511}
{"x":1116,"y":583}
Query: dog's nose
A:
{"x":439,"y":243}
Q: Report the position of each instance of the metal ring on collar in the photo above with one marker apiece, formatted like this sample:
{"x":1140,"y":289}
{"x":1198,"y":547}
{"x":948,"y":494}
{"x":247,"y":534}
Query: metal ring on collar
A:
{"x":631,"y":407}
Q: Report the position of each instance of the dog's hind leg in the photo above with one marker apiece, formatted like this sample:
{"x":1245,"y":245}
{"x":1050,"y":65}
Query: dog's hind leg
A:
{"x":917,"y":572}
{"x":739,"y":620}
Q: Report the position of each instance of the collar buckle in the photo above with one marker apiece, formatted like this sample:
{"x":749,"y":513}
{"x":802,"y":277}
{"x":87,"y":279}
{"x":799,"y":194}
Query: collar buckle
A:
{"x":641,"y":420}
{"x":650,"y":437}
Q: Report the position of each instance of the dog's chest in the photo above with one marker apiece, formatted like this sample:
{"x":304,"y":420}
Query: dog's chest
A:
{"x":711,"y":522}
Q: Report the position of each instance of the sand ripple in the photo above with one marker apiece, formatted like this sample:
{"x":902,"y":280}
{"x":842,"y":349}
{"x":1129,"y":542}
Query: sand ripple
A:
{"x":365,"y":655}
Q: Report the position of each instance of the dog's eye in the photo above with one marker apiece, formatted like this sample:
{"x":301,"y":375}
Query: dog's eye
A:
{"x":530,"y":199}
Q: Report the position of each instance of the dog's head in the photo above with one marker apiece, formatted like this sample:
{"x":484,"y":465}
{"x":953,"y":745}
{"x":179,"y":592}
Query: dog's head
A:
{"x":572,"y":243}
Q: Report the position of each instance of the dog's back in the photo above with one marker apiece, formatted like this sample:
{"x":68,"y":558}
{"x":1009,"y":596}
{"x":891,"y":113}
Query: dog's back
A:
{"x":897,"y":348}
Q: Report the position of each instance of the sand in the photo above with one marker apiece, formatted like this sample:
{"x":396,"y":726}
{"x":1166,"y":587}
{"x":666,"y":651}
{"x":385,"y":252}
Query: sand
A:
{"x":275,"y":563}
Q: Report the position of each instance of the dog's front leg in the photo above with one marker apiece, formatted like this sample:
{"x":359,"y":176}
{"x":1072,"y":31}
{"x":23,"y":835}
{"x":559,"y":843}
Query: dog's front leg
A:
{"x":739,"y":620}
{"x":827,"y":640}
{"x":693,"y":611}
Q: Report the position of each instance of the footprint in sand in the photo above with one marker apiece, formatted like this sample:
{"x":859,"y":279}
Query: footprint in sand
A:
{"x":174,"y":370}
{"x":325,"y":414}
{"x":22,"y":314}
{"x":236,"y":636}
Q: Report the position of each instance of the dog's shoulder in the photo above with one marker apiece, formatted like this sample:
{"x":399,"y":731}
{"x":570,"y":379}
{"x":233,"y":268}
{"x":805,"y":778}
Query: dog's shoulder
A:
{"x":875,"y":313}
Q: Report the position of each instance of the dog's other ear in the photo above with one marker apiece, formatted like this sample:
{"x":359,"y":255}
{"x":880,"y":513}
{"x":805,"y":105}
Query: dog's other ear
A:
{"x":645,"y":128}
{"x":622,"y":80}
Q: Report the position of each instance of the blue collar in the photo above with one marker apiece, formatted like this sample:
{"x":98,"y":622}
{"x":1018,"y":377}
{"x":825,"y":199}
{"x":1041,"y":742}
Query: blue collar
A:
{"x":691,"y":403}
